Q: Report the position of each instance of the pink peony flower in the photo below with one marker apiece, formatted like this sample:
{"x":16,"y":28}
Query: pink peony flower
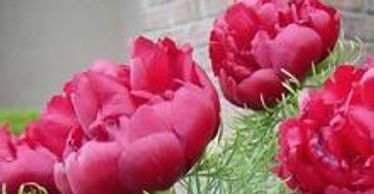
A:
{"x":329,"y":147}
{"x":24,"y":161}
{"x":131,"y":128}
{"x":255,"y":39}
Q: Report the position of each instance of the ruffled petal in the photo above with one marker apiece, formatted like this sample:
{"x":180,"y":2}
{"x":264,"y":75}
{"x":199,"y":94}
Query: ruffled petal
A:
{"x":149,"y":72}
{"x":54,"y":125}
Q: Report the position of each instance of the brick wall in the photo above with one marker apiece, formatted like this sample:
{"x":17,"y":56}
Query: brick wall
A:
{"x":191,"y":21}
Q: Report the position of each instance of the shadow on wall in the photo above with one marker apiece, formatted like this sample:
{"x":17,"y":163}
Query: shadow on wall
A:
{"x":43,"y":42}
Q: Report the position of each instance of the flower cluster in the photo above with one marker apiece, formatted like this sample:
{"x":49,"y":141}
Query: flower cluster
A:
{"x":329,"y":147}
{"x":121,"y":128}
{"x":255,"y":42}
{"x":139,"y":127}
{"x":22,"y":160}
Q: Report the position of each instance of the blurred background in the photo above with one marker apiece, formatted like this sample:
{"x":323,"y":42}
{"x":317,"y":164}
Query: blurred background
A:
{"x":43,"y":42}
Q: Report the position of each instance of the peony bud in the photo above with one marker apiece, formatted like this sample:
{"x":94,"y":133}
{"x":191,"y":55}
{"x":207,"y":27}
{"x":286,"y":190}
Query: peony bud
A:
{"x":255,"y":41}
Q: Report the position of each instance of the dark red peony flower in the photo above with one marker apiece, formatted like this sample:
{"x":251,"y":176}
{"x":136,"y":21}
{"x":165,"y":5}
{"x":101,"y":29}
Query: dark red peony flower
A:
{"x":24,"y":161}
{"x":130,"y":128}
{"x":329,"y":147}
{"x":255,"y":39}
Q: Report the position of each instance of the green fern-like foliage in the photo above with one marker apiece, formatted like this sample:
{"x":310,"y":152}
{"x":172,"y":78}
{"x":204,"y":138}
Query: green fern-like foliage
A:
{"x":242,"y":162}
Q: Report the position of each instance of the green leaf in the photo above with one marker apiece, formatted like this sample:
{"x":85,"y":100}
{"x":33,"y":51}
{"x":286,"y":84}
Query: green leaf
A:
{"x":17,"y":119}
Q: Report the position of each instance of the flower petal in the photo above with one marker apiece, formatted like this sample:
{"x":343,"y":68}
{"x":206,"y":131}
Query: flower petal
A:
{"x":152,"y":163}
{"x":83,"y":169}
{"x":264,"y":86}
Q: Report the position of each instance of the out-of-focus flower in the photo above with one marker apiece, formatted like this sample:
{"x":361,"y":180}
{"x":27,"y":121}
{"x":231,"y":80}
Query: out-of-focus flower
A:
{"x":131,"y":128}
{"x":329,"y":147}
{"x":54,"y":124}
{"x":255,"y":39}
{"x":24,"y":161}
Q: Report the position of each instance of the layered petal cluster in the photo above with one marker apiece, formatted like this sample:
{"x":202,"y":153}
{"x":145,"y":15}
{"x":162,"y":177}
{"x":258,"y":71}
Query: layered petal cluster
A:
{"x":255,"y":41}
{"x":24,"y":161}
{"x":130,"y":128}
{"x":329,"y":147}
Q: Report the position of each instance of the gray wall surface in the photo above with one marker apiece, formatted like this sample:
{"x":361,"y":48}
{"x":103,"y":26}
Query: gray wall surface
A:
{"x":43,"y":42}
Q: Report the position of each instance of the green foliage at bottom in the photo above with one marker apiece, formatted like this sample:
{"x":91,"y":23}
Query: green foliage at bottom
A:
{"x":17,"y":119}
